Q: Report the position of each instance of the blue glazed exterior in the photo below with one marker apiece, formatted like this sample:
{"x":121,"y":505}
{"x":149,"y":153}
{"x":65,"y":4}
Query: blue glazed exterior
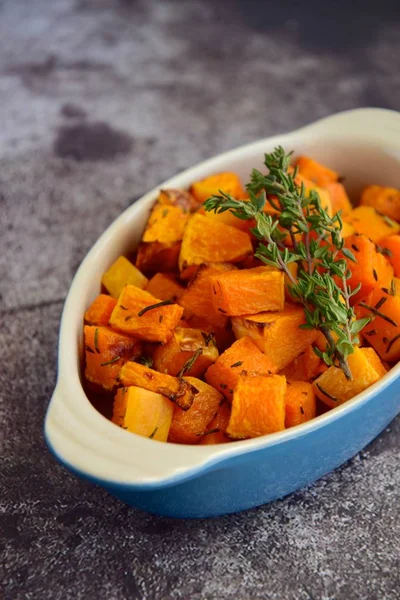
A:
{"x":258,"y":477}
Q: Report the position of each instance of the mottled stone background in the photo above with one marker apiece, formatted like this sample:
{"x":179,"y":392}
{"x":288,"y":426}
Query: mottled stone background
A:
{"x":100,"y":101}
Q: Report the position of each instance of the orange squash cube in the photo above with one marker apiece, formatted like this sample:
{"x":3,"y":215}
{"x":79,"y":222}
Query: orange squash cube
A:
{"x":375,"y":361}
{"x":186,"y":345}
{"x":143,"y":412}
{"x":304,"y":367}
{"x":300,"y":403}
{"x":105,"y":353}
{"x":277,"y":334}
{"x":156,"y":256}
{"x":248,"y":291}
{"x":188,"y":427}
{"x":121,"y":273}
{"x":197,"y":299}
{"x":176,"y":389}
{"x":207,"y":241}
{"x":242,"y":357}
{"x":258,"y":406}
{"x":315,"y":171}
{"x":371,"y":268}
{"x":165,"y":286}
{"x":333,"y":388}
{"x":339,"y":198}
{"x":212,"y":186}
{"x":366,"y":220}
{"x":215,"y":432}
{"x":166,"y":224}
{"x":386,"y":200}
{"x":99,"y":312}
{"x":172,"y":197}
{"x":392,"y":244}
{"x":140,"y":314}
{"x":383,"y":332}
{"x":223,"y":336}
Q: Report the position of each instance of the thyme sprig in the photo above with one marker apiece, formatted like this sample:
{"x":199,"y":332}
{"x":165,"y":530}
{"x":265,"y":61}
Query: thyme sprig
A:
{"x":282,"y":210}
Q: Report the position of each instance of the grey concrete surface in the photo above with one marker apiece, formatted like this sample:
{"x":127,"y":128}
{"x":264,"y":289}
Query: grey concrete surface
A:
{"x":100,"y":101}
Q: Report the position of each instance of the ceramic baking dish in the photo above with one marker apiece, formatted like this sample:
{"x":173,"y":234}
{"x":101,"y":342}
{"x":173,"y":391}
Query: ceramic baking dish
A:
{"x":199,"y":481}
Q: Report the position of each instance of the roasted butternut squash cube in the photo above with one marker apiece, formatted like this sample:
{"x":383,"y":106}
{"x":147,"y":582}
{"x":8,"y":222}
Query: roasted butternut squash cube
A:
{"x":197,"y":299}
{"x":140,"y":314}
{"x":333,"y":388}
{"x":165,"y":286}
{"x":226,"y":182}
{"x":215,"y":432}
{"x":258,"y":406}
{"x":347,"y":230}
{"x":277,"y":334}
{"x":121,"y":273}
{"x":383,"y":332}
{"x":176,"y":389}
{"x":339,"y":198}
{"x":300,"y":403}
{"x":223,"y":336}
{"x":386,"y":200}
{"x":375,"y":361}
{"x":188,"y":427}
{"x":304,"y":367}
{"x":105,"y":353}
{"x":248,"y":291}
{"x":392,"y":247}
{"x":242,"y":357}
{"x":172,"y":197}
{"x":99,"y":312}
{"x":206,"y":241}
{"x":188,"y":350}
{"x":315,"y":171}
{"x":366,"y":220}
{"x":157,"y":256}
{"x":371,"y":268}
{"x":143,"y":412}
{"x":166,"y":224}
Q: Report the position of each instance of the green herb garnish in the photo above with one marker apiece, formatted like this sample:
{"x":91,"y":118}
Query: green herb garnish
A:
{"x":378,"y":313}
{"x":96,"y":340}
{"x":152,"y":306}
{"x":189,"y":363}
{"x":147,"y":361}
{"x":316,"y":246}
{"x":208,"y":432}
{"x":110,"y":362}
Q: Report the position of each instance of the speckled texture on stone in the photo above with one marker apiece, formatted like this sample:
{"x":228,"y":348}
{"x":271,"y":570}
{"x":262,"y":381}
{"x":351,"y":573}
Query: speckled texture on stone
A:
{"x":100,"y":101}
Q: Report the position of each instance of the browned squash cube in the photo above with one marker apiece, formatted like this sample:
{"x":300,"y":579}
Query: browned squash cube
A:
{"x":277,"y":334}
{"x":176,"y":389}
{"x":197,"y":299}
{"x":105,"y":353}
{"x":188,"y":352}
{"x":188,"y":427}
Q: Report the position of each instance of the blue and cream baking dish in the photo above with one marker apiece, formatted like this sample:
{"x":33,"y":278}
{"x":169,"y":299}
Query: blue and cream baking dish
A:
{"x":199,"y":481}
